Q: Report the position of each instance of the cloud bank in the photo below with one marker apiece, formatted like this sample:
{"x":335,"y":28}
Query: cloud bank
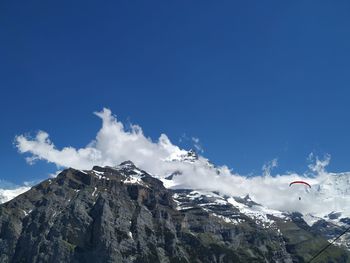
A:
{"x":114,"y":144}
{"x":9,"y":190}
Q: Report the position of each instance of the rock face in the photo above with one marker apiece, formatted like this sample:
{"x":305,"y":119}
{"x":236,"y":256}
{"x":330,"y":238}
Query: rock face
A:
{"x":123,"y":214}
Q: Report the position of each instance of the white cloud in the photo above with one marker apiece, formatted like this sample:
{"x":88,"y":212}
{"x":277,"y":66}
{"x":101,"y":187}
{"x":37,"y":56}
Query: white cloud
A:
{"x":9,"y":190}
{"x":8,"y":194}
{"x":267,"y":167}
{"x":114,"y":144}
{"x":197,"y":145}
{"x":53,"y":175}
{"x":318,"y":166}
{"x":194,"y":141}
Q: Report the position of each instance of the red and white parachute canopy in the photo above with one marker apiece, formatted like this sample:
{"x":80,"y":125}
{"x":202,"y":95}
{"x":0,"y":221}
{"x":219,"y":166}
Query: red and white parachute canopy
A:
{"x":299,"y":182}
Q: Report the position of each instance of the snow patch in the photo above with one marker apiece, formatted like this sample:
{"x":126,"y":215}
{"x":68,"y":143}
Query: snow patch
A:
{"x":101,"y":175}
{"x":310,"y":219}
{"x":133,"y":180}
{"x":168,"y":183}
{"x":93,"y":193}
{"x":257,"y":212}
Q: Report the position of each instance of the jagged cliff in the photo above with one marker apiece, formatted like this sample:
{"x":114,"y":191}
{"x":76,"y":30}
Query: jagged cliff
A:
{"x":123,"y":214}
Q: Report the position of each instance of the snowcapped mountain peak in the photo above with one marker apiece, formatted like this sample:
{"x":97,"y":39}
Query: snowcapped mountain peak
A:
{"x":184,"y":156}
{"x":126,"y":168}
{"x":191,"y":154}
{"x":127,"y":164}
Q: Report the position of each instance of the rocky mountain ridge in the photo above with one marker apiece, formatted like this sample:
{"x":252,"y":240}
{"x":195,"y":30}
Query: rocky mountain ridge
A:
{"x":123,"y":214}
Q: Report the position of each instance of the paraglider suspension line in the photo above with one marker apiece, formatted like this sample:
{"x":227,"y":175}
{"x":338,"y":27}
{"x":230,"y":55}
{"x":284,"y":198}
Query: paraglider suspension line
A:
{"x":323,"y":249}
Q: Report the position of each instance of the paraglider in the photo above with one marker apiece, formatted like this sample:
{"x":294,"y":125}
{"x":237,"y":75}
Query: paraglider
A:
{"x":300,"y":182}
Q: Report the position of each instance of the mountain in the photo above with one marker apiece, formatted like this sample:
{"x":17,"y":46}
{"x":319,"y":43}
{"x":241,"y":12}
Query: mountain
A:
{"x":123,"y":214}
{"x":329,"y":216}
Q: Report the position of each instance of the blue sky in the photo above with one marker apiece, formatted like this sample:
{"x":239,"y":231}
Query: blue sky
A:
{"x":253,"y":81}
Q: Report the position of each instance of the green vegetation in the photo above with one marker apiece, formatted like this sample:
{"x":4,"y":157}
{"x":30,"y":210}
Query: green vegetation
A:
{"x":70,"y":246}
